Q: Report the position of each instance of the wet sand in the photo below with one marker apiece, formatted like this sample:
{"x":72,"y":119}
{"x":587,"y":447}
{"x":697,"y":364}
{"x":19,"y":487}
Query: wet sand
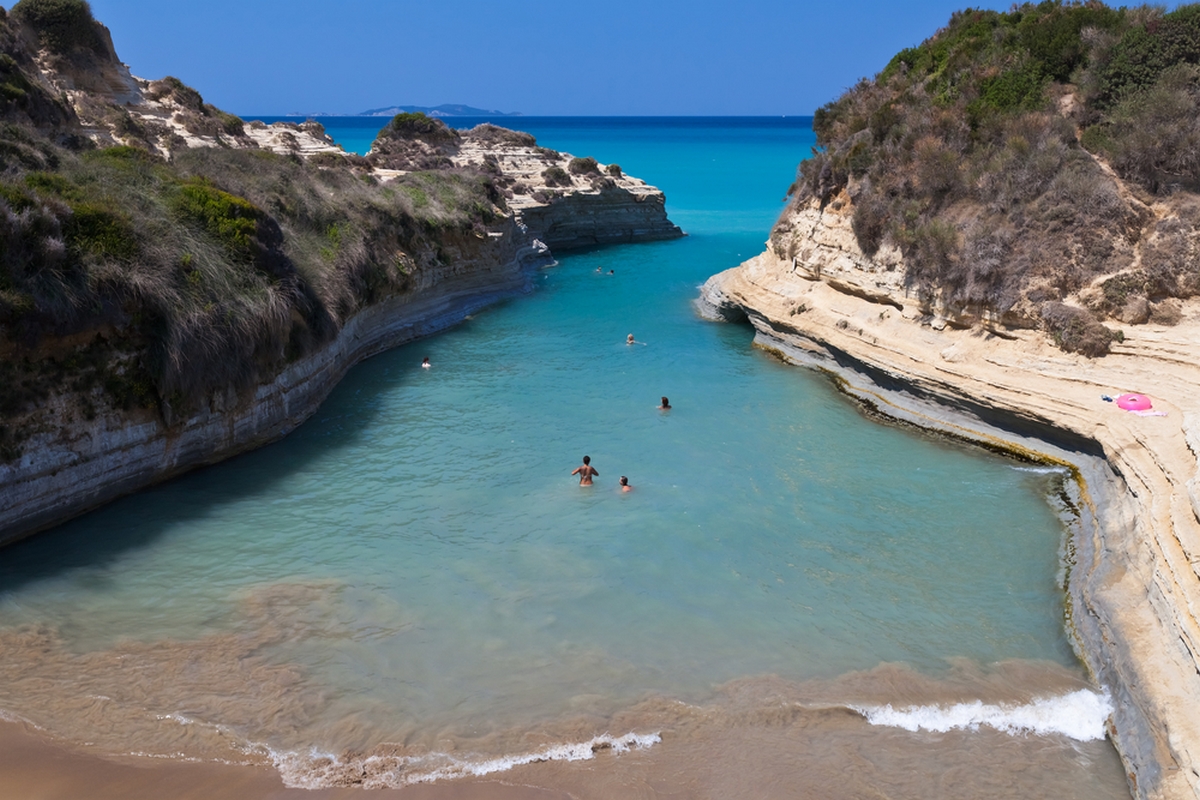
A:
{"x":35,"y":768}
{"x":762,"y":738}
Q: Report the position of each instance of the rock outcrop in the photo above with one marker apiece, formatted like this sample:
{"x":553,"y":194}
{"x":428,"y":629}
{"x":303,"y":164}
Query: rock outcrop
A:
{"x":1134,"y":559}
{"x":567,"y":202}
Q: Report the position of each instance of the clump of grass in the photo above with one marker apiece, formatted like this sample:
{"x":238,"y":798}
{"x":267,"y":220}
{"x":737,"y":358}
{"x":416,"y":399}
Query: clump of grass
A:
{"x":230,"y":219}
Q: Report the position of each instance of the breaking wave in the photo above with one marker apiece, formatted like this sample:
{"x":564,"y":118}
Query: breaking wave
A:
{"x":316,"y":770}
{"x":1080,"y":715}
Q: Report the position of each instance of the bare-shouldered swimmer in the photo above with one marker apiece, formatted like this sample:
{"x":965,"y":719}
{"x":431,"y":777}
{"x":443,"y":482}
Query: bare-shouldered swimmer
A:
{"x":586,"y":472}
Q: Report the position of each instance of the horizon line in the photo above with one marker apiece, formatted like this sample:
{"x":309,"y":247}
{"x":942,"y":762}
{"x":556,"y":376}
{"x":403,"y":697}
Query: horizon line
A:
{"x":519,"y":115}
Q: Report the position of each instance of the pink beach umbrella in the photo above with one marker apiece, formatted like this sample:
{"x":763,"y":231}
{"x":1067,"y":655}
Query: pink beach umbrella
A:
{"x":1134,"y":402}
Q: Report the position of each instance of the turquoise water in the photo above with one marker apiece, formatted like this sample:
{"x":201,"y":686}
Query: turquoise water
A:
{"x":430,"y":568}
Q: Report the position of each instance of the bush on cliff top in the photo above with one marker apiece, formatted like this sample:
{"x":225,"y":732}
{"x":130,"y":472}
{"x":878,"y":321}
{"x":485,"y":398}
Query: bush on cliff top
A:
{"x":415,"y":125}
{"x":61,"y":25}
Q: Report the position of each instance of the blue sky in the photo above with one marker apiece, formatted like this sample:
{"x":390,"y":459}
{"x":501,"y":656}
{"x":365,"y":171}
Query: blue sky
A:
{"x":573,"y":57}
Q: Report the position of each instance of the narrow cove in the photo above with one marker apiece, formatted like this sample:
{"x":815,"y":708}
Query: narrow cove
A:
{"x":414,"y":575}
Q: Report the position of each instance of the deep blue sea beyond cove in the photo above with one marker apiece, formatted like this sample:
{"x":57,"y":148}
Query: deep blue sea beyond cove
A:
{"x":415,"y":573}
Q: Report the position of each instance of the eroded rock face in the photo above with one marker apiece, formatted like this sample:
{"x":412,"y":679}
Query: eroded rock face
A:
{"x":566,"y":202}
{"x":1134,"y":569}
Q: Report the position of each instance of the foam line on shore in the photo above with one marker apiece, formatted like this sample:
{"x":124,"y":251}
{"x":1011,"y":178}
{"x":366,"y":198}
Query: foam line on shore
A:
{"x":1080,"y":715}
{"x":316,"y":770}
{"x":1042,"y":470}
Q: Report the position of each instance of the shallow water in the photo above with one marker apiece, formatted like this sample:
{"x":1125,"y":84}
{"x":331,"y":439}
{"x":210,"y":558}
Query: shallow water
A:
{"x":414,"y":571}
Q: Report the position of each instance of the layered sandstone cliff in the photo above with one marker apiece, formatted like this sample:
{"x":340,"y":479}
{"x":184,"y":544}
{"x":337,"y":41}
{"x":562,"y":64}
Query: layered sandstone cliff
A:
{"x":1134,"y":571}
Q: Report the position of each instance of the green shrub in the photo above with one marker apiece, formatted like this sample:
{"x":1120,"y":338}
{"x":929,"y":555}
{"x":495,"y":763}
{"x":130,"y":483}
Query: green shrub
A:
{"x":1018,"y":89}
{"x":230,"y":219}
{"x":1052,"y":34}
{"x":178,"y":91}
{"x":583,"y":166}
{"x":614,"y":170}
{"x":1075,"y":330}
{"x":556,"y":176}
{"x":61,"y":25}
{"x":1139,"y":59}
{"x":416,"y":125}
{"x":1153,"y":136}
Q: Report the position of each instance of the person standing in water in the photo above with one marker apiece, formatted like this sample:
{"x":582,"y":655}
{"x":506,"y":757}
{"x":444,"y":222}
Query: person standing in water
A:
{"x":425,"y":363}
{"x":625,"y":487}
{"x":666,"y":404}
{"x":586,"y":472}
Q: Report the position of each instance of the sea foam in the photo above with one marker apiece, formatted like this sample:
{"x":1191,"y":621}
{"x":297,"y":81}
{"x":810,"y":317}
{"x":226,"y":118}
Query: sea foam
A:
{"x":316,"y":770}
{"x":1081,"y":715}
{"x":1051,"y":470}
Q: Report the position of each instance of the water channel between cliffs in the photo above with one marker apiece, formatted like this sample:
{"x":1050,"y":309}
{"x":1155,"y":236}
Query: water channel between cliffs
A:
{"x":414,"y":575}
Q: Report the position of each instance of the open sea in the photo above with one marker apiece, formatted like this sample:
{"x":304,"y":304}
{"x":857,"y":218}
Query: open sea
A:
{"x":794,"y":600}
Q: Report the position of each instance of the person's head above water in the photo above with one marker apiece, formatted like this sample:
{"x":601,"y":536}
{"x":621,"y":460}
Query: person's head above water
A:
{"x":624,"y":481}
{"x":587,"y":459}
{"x":630,"y":338}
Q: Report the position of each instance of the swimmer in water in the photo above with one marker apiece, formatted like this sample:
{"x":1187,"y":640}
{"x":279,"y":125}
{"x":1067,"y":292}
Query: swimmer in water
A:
{"x":666,"y":404}
{"x":586,"y":472}
{"x":630,"y":340}
{"x":425,"y":363}
{"x":610,"y":272}
{"x":625,"y":487}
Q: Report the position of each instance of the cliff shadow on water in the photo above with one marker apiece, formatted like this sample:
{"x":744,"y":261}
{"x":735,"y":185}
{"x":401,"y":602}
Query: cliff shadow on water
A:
{"x":340,"y":423}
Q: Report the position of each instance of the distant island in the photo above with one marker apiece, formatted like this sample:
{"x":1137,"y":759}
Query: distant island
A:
{"x":444,"y":110}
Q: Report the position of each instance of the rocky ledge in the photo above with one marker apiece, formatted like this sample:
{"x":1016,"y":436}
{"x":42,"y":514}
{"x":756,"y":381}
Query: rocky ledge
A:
{"x":1134,"y":558}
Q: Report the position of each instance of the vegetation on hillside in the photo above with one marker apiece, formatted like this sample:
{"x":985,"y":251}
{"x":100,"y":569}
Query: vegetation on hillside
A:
{"x":132,"y":280}
{"x":983,"y":156}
